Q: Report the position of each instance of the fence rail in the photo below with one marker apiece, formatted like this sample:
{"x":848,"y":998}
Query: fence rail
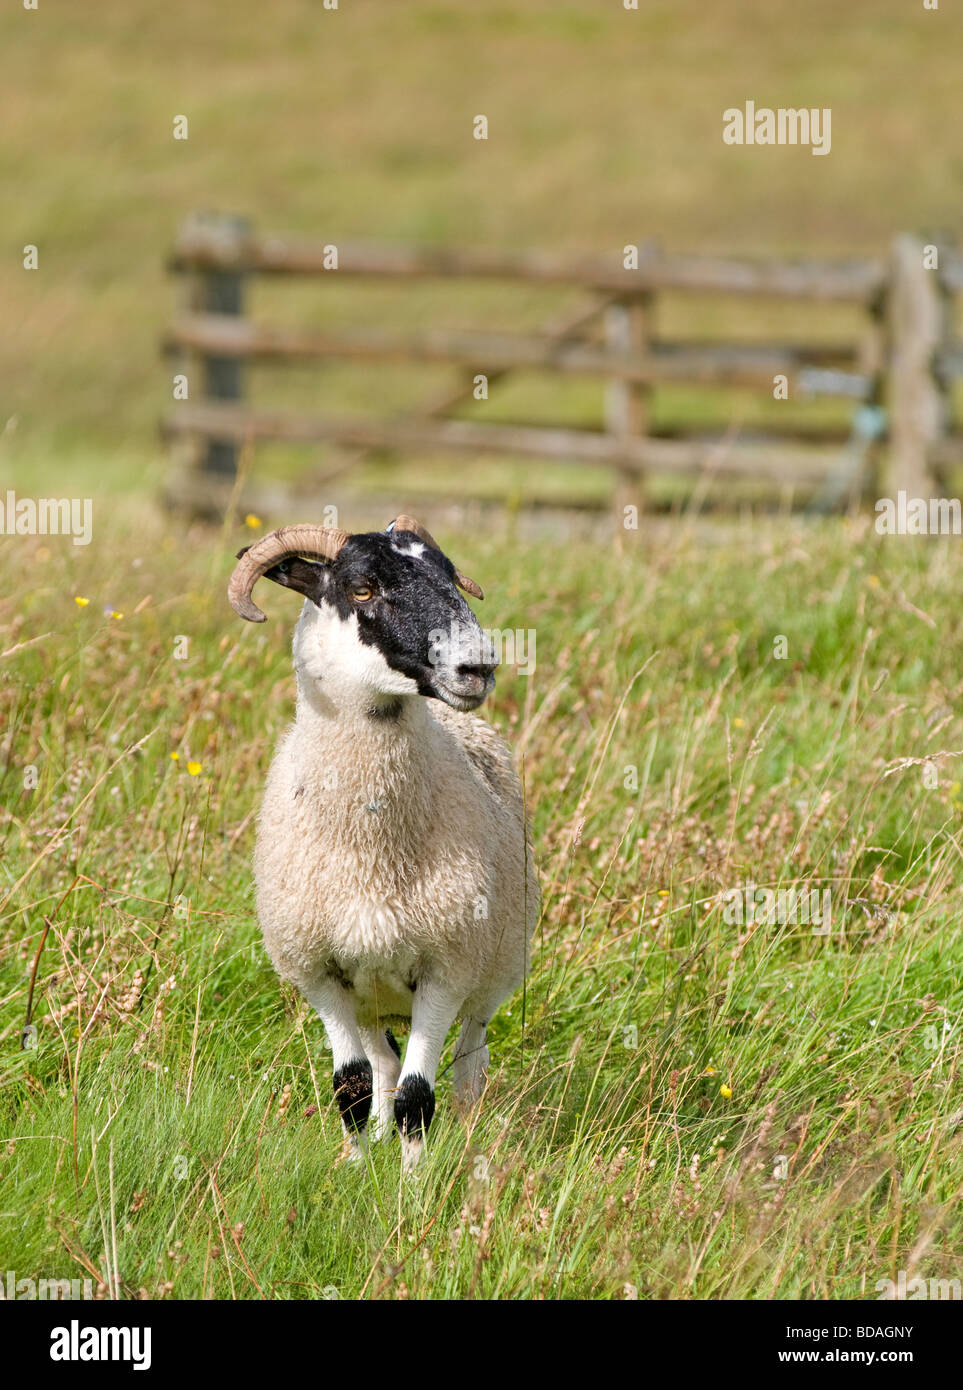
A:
{"x":701,"y":364}
{"x":897,"y":370}
{"x":219,"y":247}
{"x":563,"y":445}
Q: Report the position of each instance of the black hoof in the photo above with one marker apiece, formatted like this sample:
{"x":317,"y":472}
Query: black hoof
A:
{"x":414,"y":1105}
{"x":352,"y":1088}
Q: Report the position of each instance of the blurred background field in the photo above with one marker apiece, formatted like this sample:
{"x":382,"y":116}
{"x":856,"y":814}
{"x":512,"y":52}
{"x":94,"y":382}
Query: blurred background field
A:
{"x":355,"y":124}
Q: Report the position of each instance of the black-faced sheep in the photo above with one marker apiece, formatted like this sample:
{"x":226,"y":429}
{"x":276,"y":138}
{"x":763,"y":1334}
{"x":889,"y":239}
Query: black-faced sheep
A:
{"x":395,"y":880}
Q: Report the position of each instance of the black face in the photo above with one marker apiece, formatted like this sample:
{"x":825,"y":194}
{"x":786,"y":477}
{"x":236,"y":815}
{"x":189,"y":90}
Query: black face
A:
{"x":402,"y":602}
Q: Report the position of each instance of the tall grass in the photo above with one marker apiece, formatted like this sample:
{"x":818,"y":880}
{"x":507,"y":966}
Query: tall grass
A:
{"x":681,"y":1106}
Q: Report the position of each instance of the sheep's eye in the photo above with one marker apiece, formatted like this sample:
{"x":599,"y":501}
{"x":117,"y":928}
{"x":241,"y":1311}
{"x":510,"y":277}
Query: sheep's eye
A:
{"x":361,"y":593}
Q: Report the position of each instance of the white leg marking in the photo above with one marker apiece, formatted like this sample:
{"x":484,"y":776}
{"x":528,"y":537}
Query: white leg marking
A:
{"x":335,"y":1006}
{"x":385,"y":1068}
{"x":470,"y":1069}
{"x":434,"y":1010}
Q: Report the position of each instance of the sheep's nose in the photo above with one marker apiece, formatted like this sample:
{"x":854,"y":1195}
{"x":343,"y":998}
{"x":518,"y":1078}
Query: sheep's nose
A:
{"x":481,"y":670}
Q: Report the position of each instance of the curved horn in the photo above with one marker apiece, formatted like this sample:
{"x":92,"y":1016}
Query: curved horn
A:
{"x":321,"y":541}
{"x":408,"y":523}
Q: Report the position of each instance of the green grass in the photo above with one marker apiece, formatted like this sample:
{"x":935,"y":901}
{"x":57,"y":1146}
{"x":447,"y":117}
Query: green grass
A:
{"x":172,"y":1132}
{"x":174,"y":1123}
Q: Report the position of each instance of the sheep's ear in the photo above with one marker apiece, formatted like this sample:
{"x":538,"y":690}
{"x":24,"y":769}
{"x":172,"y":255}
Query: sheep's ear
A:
{"x":305,"y":576}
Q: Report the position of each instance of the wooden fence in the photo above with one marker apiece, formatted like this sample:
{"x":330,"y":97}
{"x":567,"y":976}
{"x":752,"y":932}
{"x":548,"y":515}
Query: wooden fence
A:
{"x":897,"y":370}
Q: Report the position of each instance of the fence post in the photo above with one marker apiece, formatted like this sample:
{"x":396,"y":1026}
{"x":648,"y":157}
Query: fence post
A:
{"x":870,"y":421}
{"x":917,"y":329}
{"x":627,"y":329}
{"x":220,"y":292}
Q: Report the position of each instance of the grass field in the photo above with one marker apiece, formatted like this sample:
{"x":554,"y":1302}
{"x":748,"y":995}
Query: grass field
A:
{"x":681,"y":1106}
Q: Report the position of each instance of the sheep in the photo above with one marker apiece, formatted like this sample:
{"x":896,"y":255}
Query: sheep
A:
{"x":394,"y":870}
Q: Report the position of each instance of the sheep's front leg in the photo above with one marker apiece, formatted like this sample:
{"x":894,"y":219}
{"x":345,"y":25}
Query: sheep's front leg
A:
{"x":352,"y":1071}
{"x":434,"y":1010}
{"x":470,"y":1067}
{"x":380,"y":1045}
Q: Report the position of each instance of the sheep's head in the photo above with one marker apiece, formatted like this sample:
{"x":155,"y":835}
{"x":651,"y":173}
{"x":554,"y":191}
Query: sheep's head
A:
{"x":384,"y":616}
